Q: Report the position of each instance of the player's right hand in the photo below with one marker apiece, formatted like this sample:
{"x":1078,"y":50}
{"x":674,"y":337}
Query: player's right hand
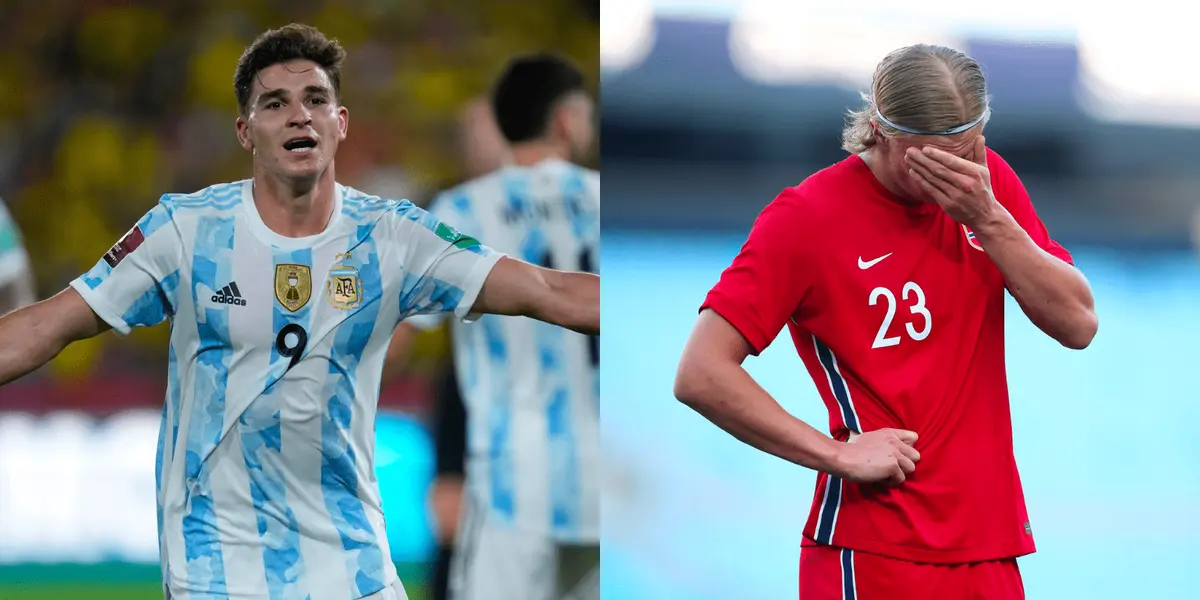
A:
{"x":882,"y":456}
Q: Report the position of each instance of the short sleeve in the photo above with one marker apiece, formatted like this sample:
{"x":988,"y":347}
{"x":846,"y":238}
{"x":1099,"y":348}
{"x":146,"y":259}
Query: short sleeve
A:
{"x":438,"y":209}
{"x":444,"y":270}
{"x":134,"y":284}
{"x":765,"y":284}
{"x":14,"y":261}
{"x":1011,"y":193}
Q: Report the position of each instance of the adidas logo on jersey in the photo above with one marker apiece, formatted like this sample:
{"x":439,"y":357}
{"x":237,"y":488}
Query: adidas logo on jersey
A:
{"x":229,"y":295}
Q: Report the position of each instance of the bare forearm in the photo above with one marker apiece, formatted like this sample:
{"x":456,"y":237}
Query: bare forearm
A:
{"x":32,"y":336}
{"x":1053,"y":294}
{"x":25,"y":345}
{"x":564,"y":298}
{"x":573,"y":302}
{"x":728,"y":396}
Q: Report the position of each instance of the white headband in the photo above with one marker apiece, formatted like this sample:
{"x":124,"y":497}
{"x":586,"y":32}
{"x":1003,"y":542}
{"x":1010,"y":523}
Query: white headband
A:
{"x":987,"y":112}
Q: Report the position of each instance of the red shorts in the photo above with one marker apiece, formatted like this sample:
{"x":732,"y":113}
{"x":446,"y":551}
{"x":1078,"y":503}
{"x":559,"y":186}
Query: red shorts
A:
{"x":829,"y":573}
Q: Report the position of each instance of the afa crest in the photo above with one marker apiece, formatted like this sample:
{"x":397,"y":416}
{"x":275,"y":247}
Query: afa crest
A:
{"x":971,"y":238}
{"x":293,"y":285}
{"x":344,"y":287}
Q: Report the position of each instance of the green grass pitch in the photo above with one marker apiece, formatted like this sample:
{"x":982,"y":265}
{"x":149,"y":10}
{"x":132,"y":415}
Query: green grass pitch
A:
{"x":122,"y":581}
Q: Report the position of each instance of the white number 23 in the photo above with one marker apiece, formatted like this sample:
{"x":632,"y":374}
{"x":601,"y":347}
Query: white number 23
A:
{"x":917,"y":308}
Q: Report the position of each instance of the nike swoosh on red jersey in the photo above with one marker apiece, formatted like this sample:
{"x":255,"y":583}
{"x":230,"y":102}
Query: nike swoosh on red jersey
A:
{"x":868,"y":264}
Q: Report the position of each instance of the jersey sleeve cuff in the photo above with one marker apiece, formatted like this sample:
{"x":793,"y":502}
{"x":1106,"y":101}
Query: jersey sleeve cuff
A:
{"x":101,"y":307}
{"x":474,"y":285}
{"x":741,"y":319}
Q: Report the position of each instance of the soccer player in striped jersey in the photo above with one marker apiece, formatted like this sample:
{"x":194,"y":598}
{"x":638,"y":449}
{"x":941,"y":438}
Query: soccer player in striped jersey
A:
{"x":889,"y":269}
{"x":16,"y":276}
{"x":530,"y":525}
{"x":283,"y":292}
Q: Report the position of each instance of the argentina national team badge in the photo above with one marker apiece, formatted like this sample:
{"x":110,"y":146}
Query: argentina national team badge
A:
{"x":971,"y":238}
{"x":344,"y":287}
{"x":293,"y":285}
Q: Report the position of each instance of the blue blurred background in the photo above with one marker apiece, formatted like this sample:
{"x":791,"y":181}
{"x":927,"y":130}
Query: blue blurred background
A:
{"x":710,"y":108}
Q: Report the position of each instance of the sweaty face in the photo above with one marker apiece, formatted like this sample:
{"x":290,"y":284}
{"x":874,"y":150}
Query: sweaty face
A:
{"x":960,"y":144}
{"x":293,"y":121}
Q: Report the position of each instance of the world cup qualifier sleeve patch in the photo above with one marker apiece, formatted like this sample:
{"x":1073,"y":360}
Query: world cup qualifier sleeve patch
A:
{"x":125,"y":247}
{"x":456,"y":239}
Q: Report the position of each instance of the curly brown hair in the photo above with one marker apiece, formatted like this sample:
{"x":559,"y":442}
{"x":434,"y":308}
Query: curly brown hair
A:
{"x":290,"y":42}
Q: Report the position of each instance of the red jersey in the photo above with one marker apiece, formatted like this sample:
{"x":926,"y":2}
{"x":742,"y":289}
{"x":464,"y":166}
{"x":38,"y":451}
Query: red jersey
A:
{"x":898,"y":315}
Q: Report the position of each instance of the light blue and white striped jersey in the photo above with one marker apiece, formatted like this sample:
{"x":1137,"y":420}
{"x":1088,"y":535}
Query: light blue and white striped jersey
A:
{"x":14,"y":260}
{"x":266,"y":477}
{"x":531,"y":389}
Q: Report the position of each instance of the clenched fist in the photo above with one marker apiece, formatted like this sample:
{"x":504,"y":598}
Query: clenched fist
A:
{"x":881,"y":456}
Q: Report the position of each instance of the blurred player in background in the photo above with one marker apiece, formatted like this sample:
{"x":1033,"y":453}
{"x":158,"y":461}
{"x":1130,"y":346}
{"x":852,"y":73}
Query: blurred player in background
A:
{"x":483,"y":150}
{"x":889,"y":268}
{"x":530,"y":524}
{"x":283,"y":291}
{"x":16,"y":275}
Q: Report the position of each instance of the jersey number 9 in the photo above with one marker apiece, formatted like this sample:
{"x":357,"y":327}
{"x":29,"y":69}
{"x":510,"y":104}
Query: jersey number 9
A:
{"x":290,"y":342}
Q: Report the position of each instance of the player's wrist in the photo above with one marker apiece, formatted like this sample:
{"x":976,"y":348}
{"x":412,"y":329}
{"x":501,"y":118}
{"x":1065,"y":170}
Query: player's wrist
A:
{"x":993,"y":222}
{"x":830,"y":456}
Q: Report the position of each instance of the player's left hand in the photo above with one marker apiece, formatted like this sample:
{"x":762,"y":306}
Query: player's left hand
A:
{"x":963,"y":188}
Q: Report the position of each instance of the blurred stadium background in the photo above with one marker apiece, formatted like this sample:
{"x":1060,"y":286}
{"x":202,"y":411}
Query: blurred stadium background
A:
{"x":710,"y":108}
{"x":105,"y":105}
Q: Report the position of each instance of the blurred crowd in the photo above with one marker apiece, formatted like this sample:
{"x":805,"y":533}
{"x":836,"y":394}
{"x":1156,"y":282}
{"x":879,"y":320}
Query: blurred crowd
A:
{"x":107,"y":104}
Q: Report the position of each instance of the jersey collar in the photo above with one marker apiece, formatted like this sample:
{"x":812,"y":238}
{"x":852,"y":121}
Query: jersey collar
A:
{"x":266,"y":235}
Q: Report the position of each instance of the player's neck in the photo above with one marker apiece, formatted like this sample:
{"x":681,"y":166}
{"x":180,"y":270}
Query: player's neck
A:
{"x":295,"y":209}
{"x":531,"y":153}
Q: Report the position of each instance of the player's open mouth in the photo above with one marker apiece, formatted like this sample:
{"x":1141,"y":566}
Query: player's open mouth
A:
{"x":300,"y":145}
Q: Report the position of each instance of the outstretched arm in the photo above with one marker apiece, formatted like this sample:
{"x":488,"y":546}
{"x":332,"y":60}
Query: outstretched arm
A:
{"x":32,"y":336}
{"x":133,"y":285}
{"x":518,"y":288}
{"x":458,"y":274}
